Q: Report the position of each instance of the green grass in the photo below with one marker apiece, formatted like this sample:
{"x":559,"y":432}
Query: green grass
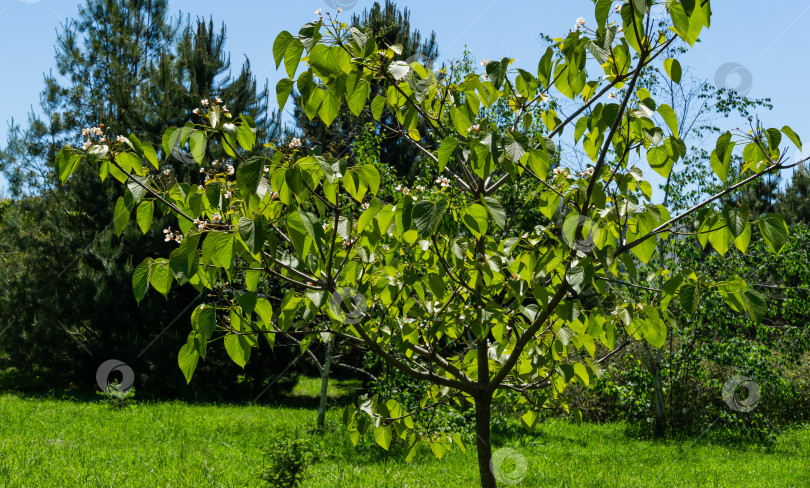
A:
{"x":64,"y":443}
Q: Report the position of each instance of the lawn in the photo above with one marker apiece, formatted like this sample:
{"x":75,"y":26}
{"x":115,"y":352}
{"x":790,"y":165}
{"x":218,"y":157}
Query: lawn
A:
{"x":67,"y":443}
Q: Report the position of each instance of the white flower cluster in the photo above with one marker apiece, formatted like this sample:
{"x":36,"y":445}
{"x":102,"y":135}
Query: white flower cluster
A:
{"x":229,"y":169}
{"x":587,"y":172}
{"x":364,"y":206}
{"x":420,"y":187}
{"x":485,"y":62}
{"x":560,"y":171}
{"x":580,"y":23}
{"x":89,"y":132}
{"x":167,"y":172}
{"x":217,"y":218}
{"x":171,"y":235}
{"x":402,"y":189}
{"x":295,"y":142}
{"x":444,"y":182}
{"x":474,"y":128}
{"x":200,"y":224}
{"x":229,"y":194}
{"x":206,"y":102}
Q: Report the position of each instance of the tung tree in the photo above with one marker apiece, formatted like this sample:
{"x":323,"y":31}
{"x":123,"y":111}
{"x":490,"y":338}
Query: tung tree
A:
{"x":437,"y":282}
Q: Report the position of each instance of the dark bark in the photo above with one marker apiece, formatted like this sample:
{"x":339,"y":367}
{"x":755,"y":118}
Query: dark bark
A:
{"x":483,"y":440}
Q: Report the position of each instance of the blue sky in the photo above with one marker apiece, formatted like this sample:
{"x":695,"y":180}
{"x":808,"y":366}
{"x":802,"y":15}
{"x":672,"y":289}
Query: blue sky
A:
{"x":765,"y":40}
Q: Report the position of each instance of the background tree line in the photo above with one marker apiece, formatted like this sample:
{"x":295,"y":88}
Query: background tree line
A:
{"x":58,"y":307}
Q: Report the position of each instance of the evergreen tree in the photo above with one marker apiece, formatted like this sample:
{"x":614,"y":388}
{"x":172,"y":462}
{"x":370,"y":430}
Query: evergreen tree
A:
{"x":131,"y":66}
{"x":394,"y":26}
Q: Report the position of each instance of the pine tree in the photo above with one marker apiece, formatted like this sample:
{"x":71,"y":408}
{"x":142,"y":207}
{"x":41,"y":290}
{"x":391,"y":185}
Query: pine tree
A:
{"x":394,"y":25}
{"x":131,"y":66}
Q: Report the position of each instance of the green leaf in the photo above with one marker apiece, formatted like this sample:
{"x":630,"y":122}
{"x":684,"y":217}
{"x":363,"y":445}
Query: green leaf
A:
{"x":145,"y":212}
{"x":368,"y":215}
{"x":755,"y":305}
{"x":283,"y":90}
{"x":187,"y":359}
{"x":496,"y":210}
{"x":280,"y":46}
{"x":246,"y":137}
{"x":689,"y":296}
{"x":659,"y":161}
{"x":248,"y":174}
{"x":160,"y":276}
{"x":794,"y":138}
{"x":515,"y":145}
{"x":264,"y":310}
{"x":96,"y":153}
{"x":120,"y":216}
{"x":238,"y":348}
{"x":427,"y":216}
{"x":382,"y":436}
{"x":253,"y":232}
{"x":66,"y":163}
{"x":449,"y":145}
{"x":673,"y":69}
{"x":330,"y":108}
{"x":292,"y":56}
{"x":668,"y":114}
{"x":496,"y":71}
{"x":476,"y":218}
{"x":775,"y":231}
{"x":721,"y":157}
{"x":377,"y":106}
{"x":140,"y":280}
{"x":736,"y":218}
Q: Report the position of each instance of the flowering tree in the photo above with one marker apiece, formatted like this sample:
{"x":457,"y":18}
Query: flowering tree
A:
{"x":436,"y":282}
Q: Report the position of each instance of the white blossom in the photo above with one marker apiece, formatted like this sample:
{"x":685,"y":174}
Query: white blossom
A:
{"x":204,"y":102}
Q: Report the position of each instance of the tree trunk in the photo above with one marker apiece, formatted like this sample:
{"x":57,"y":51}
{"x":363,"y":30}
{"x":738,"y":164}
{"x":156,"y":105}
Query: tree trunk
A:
{"x":483,"y":441}
{"x":327,"y":364}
